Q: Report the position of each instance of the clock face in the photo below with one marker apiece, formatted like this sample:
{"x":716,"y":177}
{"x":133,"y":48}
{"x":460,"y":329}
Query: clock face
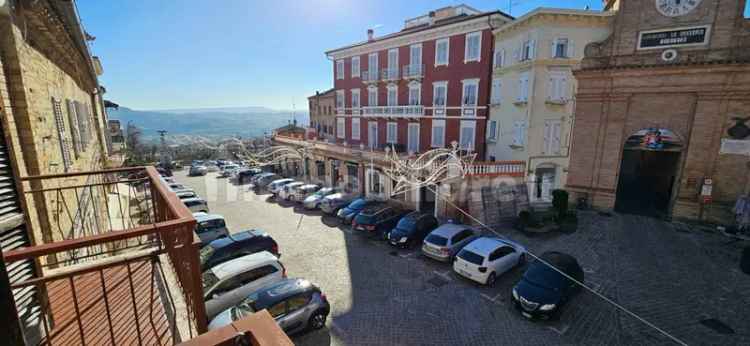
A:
{"x":674,"y":8}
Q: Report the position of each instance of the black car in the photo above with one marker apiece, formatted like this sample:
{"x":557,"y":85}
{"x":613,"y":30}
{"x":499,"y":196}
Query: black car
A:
{"x":542,"y":290}
{"x":377,"y":220}
{"x":236,"y":245}
{"x":245,"y":174}
{"x":411,"y":230}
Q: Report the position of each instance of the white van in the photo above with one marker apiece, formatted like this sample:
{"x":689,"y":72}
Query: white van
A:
{"x":229,"y":283}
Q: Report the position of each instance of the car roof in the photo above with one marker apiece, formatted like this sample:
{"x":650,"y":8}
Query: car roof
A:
{"x":237,"y":237}
{"x":308,"y":186}
{"x":281,"y":290}
{"x":193,"y":199}
{"x":201,"y":217}
{"x":295,"y":183}
{"x":278,"y":181}
{"x":559,"y":259}
{"x":183,"y":192}
{"x":450,"y":229}
{"x":376,"y":208}
{"x":240,"y":264}
{"x":485,"y":245}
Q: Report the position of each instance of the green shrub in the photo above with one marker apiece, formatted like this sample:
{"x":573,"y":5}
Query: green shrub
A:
{"x":560,"y":203}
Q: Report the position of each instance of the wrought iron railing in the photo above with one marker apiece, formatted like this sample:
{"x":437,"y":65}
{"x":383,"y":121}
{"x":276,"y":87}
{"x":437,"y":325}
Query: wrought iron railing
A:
{"x":390,"y":74}
{"x":413,"y":71}
{"x":369,"y":76}
{"x":108,"y":264}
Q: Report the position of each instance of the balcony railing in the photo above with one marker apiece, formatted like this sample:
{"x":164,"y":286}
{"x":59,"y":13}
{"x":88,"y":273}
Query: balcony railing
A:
{"x":390,"y":74}
{"x":413,"y":71}
{"x":390,"y":111}
{"x":110,"y":243}
{"x":370,"y":76}
{"x":497,"y":169}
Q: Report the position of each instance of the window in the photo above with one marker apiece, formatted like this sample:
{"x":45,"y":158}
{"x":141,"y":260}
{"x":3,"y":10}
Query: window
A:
{"x":392,"y":64}
{"x":355,"y":66}
{"x":499,"y":58}
{"x":392,"y":129}
{"x":560,"y":48}
{"x":527,"y":50}
{"x":372,"y":96}
{"x":439,"y":94}
{"x":460,"y":236}
{"x":495,"y":93}
{"x":340,"y":69}
{"x":340,"y":123}
{"x":372,"y":134}
{"x":298,"y":301}
{"x":372,"y":65}
{"x":355,"y":98}
{"x":82,"y":113}
{"x":74,"y":127}
{"x":415,"y":91}
{"x":552,"y":137}
{"x":392,"y":99}
{"x":339,"y":99}
{"x":557,"y":86}
{"x":523,"y":87}
{"x":492,"y":130}
{"x":278,"y":309}
{"x":519,"y":133}
{"x":442,"y":49}
{"x":473,"y":46}
{"x":413,"y":137}
{"x":469,"y":98}
{"x":438,"y":133}
{"x":415,"y":55}
{"x":62,"y":137}
{"x":468,"y":129}
{"x":355,"y":129}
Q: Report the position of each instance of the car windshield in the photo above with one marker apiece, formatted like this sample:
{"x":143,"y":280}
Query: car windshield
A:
{"x":471,"y":257}
{"x":541,"y":275}
{"x":364,"y":219}
{"x":209,"y":280}
{"x":437,"y":240}
{"x":206,"y":253}
{"x":245,"y":308}
{"x":324,"y":192}
{"x":407,"y":223}
{"x":358,"y":204}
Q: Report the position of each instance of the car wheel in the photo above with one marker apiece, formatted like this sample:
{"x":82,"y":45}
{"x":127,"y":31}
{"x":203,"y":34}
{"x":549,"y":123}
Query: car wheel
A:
{"x":317,"y":320}
{"x":491,"y":279}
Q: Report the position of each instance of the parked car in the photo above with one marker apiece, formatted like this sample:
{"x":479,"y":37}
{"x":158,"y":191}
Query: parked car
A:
{"x":176,"y":186}
{"x":295,"y":304}
{"x":210,"y":227}
{"x":288,"y":189}
{"x":542,"y":290}
{"x":257,"y":177}
{"x":378,"y":219}
{"x":164,"y":172}
{"x":331,"y":204}
{"x":275,"y":186}
{"x":197,"y":171}
{"x":228,"y":170}
{"x":185,"y":194}
{"x":486,"y":258}
{"x":245,"y":175}
{"x":237,"y":245}
{"x":447,"y":240}
{"x":348,"y":213}
{"x":299,"y":194}
{"x":227,"y":284}
{"x":196,"y":204}
{"x":263,"y":181}
{"x":313,"y":200}
{"x":411,"y":230}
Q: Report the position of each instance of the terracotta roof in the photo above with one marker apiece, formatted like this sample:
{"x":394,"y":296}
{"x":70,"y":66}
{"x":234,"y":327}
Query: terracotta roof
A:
{"x":329,"y":91}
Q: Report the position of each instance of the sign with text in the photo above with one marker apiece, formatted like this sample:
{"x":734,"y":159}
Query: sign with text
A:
{"x":735,"y":146}
{"x":679,"y":37}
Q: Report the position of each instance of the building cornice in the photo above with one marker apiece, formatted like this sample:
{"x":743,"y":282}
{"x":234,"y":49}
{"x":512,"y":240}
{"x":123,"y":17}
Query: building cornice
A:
{"x":557,"y":15}
{"x":463,"y":27}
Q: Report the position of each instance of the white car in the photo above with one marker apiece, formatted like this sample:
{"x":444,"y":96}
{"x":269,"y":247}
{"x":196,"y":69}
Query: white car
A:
{"x":446,"y":241}
{"x":229,"y":170}
{"x":486,"y":258}
{"x":276,"y":185}
{"x":229,"y":283}
{"x":185,"y":194}
{"x":288,"y":189}
{"x":300,"y":193}
{"x":196,"y":204}
{"x":176,"y":186}
{"x":210,"y":227}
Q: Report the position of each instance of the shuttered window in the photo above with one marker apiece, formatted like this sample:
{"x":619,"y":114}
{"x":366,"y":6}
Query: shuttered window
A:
{"x":62,"y":137}
{"x":74,"y":127}
{"x":552,"y":137}
{"x":82,"y":111}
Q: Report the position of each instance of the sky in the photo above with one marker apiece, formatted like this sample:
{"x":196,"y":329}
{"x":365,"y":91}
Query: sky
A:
{"x":170,"y":54}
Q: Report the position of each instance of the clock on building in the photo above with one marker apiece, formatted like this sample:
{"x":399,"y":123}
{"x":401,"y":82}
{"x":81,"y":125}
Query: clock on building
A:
{"x":674,"y":8}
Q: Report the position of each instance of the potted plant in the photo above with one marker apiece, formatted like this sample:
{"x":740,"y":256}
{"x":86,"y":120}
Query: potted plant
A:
{"x":566,"y":220}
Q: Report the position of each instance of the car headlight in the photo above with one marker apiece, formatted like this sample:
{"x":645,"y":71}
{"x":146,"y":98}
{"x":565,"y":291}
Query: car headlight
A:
{"x":515,"y":294}
{"x":547,"y":307}
{"x":402,"y":240}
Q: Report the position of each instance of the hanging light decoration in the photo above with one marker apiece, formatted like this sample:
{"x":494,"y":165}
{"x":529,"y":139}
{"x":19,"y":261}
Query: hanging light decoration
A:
{"x":432,"y":167}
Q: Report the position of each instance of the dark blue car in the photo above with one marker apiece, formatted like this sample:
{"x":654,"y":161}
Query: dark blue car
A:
{"x":412,"y":229}
{"x":542,"y":290}
{"x":236,"y":245}
{"x":348,"y":213}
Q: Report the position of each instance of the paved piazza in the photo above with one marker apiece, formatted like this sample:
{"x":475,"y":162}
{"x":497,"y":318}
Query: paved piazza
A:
{"x":686,"y":282}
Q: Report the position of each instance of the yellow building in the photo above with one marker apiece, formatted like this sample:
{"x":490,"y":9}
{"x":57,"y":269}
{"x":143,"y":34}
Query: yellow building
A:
{"x":531,"y":101}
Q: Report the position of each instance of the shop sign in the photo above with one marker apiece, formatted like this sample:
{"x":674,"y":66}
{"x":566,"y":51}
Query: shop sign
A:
{"x":735,"y":146}
{"x":678,"y":37}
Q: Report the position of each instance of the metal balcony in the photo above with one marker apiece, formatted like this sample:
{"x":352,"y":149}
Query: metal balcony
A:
{"x":390,"y":74}
{"x":393,"y":111}
{"x":413,"y":71}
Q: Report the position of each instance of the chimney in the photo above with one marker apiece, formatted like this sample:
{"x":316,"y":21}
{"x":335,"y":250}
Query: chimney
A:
{"x":432,"y":17}
{"x":370,"y":34}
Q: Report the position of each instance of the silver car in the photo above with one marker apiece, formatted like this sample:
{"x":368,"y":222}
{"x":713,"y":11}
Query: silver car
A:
{"x":275,"y":186}
{"x":332,"y":203}
{"x":313,"y":201}
{"x":210,"y":227}
{"x":446,"y":241}
{"x":299,"y":194}
{"x":295,"y":304}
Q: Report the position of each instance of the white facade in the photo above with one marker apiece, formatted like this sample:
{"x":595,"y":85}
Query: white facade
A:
{"x":532,"y":112}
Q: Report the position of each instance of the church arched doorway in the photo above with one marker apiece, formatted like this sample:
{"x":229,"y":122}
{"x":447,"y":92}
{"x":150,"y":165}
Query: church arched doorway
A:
{"x":648,"y":172}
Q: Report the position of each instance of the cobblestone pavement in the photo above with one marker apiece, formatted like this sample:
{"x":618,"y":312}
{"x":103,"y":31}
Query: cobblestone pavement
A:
{"x":383,"y":296}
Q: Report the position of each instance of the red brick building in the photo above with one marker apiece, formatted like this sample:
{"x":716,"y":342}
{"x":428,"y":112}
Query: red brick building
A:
{"x":420,"y":88}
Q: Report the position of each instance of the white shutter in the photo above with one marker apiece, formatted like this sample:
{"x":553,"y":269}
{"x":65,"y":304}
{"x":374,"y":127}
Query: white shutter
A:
{"x":356,"y":127}
{"x":532,"y":49}
{"x":517,"y":54}
{"x":74,"y":127}
{"x":517,"y":133}
{"x":553,"y":49}
{"x":64,"y":144}
{"x":563,"y":94}
{"x":495,"y":92}
{"x":555,"y":137}
{"x":547,"y":138}
{"x":571,"y":53}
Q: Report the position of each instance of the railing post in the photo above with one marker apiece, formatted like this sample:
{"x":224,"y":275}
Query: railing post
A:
{"x":191,"y":257}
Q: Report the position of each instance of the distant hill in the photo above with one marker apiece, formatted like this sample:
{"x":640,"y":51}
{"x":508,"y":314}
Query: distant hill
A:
{"x":210,"y":122}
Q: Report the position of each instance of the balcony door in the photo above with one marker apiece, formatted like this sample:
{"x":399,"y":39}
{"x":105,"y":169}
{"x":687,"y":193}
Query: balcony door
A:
{"x":413,"y":140}
{"x":372,"y":135}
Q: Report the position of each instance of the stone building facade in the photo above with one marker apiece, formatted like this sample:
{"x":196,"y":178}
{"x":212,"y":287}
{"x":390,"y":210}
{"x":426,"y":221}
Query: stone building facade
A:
{"x":531,"y":101}
{"x":659,"y":111}
{"x":322,"y":108}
